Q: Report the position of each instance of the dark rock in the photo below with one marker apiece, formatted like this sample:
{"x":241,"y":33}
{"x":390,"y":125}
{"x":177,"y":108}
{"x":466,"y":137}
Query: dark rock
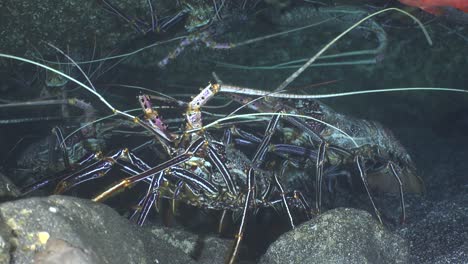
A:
{"x":59,"y":228}
{"x":339,"y":236}
{"x":202,"y":248}
{"x":62,"y":23}
{"x":58,"y":251}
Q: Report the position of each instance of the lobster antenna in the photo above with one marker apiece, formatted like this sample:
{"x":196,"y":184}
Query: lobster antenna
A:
{"x":296,"y":74}
{"x":262,"y":94}
{"x":74,"y":63}
{"x":89,"y":89}
{"x":124,"y":55}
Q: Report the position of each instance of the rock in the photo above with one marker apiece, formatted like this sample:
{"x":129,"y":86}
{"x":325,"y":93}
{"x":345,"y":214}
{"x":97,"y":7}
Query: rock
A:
{"x":61,"y":22}
{"x":5,"y":242}
{"x":341,"y":235}
{"x":58,"y":251}
{"x":72,"y":230}
{"x":202,"y":248}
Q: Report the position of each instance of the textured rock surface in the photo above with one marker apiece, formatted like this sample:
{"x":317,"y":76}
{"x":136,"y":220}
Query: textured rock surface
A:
{"x":201,"y":248}
{"x":75,"y":23}
{"x":5,"y":242}
{"x":59,"y":228}
{"x":338,"y":236}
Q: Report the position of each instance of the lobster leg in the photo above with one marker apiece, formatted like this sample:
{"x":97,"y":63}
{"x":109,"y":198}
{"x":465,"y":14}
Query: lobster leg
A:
{"x":142,"y":166}
{"x":194,"y":147}
{"x":285,"y":202}
{"x":362,"y":173}
{"x":154,"y":18}
{"x":151,"y":197}
{"x":249,"y":197}
{"x":297,"y":195}
{"x":402,"y":198}
{"x":319,"y":175}
{"x":221,"y":221}
{"x":177,"y":191}
{"x":61,"y":144}
{"x":91,"y":172}
{"x":263,"y":197}
{"x":288,"y":149}
{"x":251,"y":193}
{"x":152,"y":194}
{"x":138,"y":207}
{"x":280,"y":149}
{"x":99,"y":169}
{"x":85,"y":160}
{"x":227,"y":137}
{"x":245,"y":135}
{"x":215,"y":159}
{"x":263,"y":147}
{"x":259,"y":155}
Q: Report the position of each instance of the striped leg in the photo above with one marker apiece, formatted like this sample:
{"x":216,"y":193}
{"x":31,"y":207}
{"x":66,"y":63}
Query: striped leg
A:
{"x":400,"y":185}
{"x":362,"y":173}
{"x":248,"y":199}
{"x":129,"y":181}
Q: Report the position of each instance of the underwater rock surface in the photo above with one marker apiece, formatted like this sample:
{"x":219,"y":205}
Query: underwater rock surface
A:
{"x":200,"y":248}
{"x":341,"y":235}
{"x":5,"y":244}
{"x":60,"y":228}
{"x":80,"y":229}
